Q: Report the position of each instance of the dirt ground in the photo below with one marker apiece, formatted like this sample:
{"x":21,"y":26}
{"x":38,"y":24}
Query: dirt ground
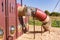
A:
{"x":53,"y":35}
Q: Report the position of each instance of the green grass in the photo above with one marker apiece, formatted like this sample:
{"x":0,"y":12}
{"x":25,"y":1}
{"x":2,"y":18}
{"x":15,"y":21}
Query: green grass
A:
{"x":37,"y":22}
{"x":54,"y":23}
{"x":31,"y":22}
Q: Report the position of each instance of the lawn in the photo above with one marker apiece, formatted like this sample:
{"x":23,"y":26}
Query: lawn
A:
{"x":55,"y":22}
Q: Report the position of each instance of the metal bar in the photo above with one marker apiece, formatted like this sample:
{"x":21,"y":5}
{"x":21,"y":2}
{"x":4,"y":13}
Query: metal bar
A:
{"x":28,"y":23}
{"x":34,"y":26}
{"x":16,"y":18}
{"x":21,"y":3}
{"x":6,"y":18}
{"x":5,"y":21}
{"x":41,"y":30}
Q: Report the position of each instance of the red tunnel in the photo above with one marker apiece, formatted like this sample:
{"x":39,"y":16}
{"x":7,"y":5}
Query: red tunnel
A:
{"x":40,"y":15}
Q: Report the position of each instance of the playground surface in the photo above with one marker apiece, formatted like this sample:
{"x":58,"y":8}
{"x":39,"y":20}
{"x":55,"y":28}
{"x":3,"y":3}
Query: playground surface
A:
{"x":54,"y":34}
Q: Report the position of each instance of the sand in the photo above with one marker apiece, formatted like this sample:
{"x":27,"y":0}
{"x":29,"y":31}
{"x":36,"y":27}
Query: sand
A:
{"x":53,"y":35}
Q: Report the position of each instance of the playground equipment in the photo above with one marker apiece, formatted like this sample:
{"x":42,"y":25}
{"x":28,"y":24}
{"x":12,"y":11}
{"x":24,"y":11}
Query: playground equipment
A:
{"x":31,"y":11}
{"x":8,"y":20}
{"x":10,"y":25}
{"x":35,"y":13}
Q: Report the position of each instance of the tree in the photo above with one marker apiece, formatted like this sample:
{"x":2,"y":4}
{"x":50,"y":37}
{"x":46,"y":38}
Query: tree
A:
{"x":55,"y":14}
{"x":47,"y":12}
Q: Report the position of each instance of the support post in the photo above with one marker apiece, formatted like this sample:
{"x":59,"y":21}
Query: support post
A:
{"x":34,"y":26}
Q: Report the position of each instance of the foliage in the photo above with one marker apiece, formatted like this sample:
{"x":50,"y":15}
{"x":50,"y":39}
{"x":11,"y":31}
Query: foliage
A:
{"x":52,"y":13}
{"x":47,"y":12}
{"x":55,"y":14}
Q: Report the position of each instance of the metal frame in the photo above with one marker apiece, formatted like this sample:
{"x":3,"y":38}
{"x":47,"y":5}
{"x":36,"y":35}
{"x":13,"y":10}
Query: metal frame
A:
{"x":6,"y":17}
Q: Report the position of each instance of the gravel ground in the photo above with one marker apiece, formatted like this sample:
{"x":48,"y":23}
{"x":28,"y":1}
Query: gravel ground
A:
{"x":54,"y":34}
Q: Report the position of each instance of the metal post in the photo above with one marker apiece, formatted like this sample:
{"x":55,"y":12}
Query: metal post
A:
{"x":16,"y":18}
{"x":34,"y":26}
{"x":41,"y":30}
{"x":6,"y":18}
{"x":21,"y":3}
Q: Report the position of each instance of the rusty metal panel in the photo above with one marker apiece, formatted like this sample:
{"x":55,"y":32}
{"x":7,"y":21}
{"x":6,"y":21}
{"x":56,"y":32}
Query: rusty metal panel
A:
{"x":2,"y":20}
{"x":11,"y":20}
